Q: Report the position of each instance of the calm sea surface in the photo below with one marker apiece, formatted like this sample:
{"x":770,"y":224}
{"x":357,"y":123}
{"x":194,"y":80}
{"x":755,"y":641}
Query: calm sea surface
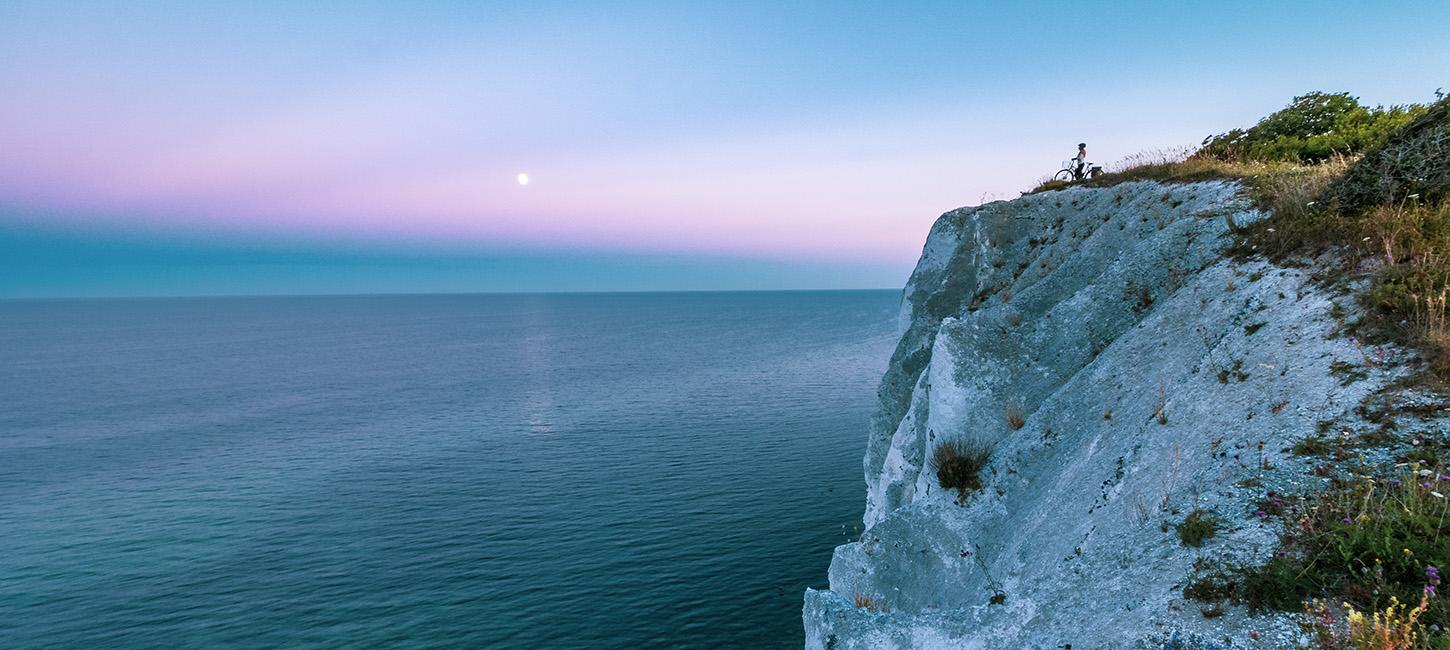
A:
{"x":553,"y":471}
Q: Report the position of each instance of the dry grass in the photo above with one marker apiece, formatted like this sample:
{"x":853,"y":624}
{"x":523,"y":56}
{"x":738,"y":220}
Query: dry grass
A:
{"x":959,"y":466}
{"x":1164,"y":166}
{"x":870,"y":602}
{"x":1015,"y":418}
{"x":1408,"y":245}
{"x":1435,"y":334}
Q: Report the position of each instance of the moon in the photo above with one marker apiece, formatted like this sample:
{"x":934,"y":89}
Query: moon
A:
{"x":523,"y":179}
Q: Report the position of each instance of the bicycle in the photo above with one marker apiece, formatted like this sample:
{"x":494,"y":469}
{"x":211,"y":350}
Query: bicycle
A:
{"x":1069,"y":171}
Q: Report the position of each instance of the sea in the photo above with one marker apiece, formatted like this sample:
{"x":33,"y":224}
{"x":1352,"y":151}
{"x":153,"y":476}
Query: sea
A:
{"x":649,"y":470}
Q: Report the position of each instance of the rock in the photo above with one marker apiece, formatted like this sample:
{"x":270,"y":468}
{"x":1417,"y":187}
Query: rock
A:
{"x":1153,"y":375}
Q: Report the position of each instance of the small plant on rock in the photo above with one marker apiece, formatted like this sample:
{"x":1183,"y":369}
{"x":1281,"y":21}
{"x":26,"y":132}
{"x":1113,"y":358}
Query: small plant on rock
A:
{"x":1015,"y":418}
{"x":959,"y":466}
{"x":1196,"y":527}
{"x":869,"y":602}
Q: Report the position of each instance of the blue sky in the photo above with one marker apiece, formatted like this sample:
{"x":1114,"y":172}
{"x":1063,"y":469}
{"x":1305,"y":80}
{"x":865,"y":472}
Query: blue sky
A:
{"x":190,"y":148}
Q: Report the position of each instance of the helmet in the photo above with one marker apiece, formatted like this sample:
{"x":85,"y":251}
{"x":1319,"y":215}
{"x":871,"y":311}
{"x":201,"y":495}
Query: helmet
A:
{"x":1081,"y":145}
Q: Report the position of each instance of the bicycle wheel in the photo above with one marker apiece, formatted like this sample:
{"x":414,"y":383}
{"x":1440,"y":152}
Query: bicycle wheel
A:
{"x":1064,"y":175}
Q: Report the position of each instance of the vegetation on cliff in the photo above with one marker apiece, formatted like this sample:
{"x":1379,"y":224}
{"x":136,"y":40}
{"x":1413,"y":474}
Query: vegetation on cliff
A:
{"x":1362,"y":195}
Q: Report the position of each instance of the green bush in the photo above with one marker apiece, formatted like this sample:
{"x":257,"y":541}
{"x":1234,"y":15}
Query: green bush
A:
{"x":1312,"y":128}
{"x":1415,"y":161}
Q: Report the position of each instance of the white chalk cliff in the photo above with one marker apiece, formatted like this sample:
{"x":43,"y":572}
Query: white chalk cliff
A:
{"x":1156,"y":376}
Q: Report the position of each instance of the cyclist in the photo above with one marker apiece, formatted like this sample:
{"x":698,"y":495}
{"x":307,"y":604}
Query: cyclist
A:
{"x":1080,"y":161}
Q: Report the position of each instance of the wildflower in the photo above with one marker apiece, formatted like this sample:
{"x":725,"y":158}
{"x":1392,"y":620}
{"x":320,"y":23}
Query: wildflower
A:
{"x":1394,"y":482}
{"x":1260,"y":514}
{"x":1437,"y":495}
{"x":1432,"y":574}
{"x":1409,"y":552}
{"x":1425,"y":485}
{"x":1426,"y":472}
{"x":1444,"y":478}
{"x":1346,"y":521}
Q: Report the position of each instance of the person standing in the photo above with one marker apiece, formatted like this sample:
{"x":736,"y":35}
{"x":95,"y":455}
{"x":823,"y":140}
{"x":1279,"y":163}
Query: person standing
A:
{"x":1080,"y":160}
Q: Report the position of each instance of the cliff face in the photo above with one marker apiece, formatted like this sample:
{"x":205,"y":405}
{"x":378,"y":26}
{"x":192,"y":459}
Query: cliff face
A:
{"x":1155,"y":376}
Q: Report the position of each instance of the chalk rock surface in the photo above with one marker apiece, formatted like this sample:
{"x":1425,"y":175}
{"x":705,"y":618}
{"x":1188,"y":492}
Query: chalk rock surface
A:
{"x":1155,"y":376}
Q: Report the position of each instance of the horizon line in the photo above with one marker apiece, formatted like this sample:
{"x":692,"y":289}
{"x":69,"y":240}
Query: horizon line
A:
{"x":430,"y":294}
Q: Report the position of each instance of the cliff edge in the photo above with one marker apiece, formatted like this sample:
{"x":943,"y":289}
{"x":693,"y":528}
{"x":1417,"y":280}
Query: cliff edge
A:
{"x":1126,"y":376}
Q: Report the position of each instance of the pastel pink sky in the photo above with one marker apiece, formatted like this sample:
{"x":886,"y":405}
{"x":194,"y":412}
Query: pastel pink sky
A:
{"x":828,"y":132}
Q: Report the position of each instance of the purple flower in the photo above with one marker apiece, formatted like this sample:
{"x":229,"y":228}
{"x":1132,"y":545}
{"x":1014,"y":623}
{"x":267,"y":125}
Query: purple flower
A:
{"x":1432,"y":574}
{"x":1260,"y":514}
{"x":1346,"y":521}
{"x":1394,"y":482}
{"x":1429,"y":590}
{"x":1444,"y":477}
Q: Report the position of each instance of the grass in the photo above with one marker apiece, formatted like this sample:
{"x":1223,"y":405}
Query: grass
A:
{"x":1312,"y":446}
{"x":1407,"y":248}
{"x":1198,"y":526}
{"x":959,"y":466}
{"x":1370,"y":544}
{"x":870,"y":602}
{"x":1177,"y":166}
{"x":1013,"y":413}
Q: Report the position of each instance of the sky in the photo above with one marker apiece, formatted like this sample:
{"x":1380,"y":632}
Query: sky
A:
{"x":216,"y":148}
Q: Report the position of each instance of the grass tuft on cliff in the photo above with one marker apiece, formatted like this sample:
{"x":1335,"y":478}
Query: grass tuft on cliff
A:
{"x":1198,"y":526}
{"x":959,"y":466}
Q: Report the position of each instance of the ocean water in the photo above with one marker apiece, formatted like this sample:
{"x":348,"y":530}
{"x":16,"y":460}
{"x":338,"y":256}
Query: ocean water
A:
{"x":543,"y":471}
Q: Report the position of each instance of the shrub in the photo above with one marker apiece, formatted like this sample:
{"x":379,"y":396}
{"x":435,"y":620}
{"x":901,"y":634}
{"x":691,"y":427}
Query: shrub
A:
{"x":1311,"y":129}
{"x":959,"y":466}
{"x":1196,"y":527}
{"x":1412,"y":161}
